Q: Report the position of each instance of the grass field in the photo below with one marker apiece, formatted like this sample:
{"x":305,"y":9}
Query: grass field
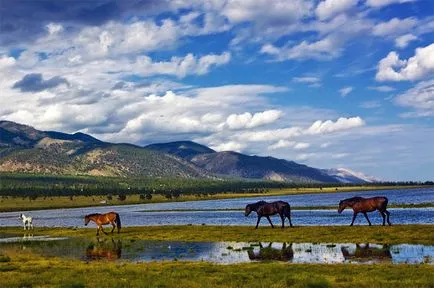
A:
{"x":19,"y":204}
{"x":21,"y":268}
{"x":414,"y":234}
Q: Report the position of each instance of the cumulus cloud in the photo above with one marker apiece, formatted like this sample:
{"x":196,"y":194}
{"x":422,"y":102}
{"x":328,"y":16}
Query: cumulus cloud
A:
{"x":381,"y":3}
{"x":307,"y":79}
{"x":420,"y":98}
{"x":345,"y":91}
{"x":320,"y":127}
{"x":404,"y":40}
{"x":382,"y":88}
{"x":301,"y":146}
{"x":395,"y":26}
{"x":281,"y":144}
{"x":391,"y":68}
{"x":229,"y":146}
{"x":329,"y":8}
{"x":247,"y":120}
{"x":35,"y":83}
{"x":325,"y":49}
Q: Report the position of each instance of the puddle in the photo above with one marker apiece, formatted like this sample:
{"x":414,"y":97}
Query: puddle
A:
{"x":218,"y":252}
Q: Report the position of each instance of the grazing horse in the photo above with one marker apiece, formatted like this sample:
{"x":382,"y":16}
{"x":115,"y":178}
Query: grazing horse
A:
{"x":27,"y":221}
{"x":104,"y":219}
{"x":266,"y":209}
{"x":364,"y":205}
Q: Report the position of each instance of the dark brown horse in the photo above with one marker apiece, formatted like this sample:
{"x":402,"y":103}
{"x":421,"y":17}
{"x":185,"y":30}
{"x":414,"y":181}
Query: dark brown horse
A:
{"x":266,"y":209}
{"x":364,"y":205}
{"x":268,"y":253}
{"x":104,"y":219}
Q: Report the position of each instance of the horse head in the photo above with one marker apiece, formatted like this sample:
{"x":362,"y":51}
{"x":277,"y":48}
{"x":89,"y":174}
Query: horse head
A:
{"x":86,"y":220}
{"x":342,"y":205}
{"x":248,"y":210}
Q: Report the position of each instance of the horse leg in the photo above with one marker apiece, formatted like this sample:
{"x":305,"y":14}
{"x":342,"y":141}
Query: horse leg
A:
{"x":354,"y":218}
{"x":102,"y":229}
{"x":269,"y":220}
{"x":384,"y":217}
{"x":388,"y":217}
{"x":366,"y":216}
{"x":113,"y":229}
{"x":283,"y":220}
{"x":290,"y":223}
{"x":97,"y":230}
{"x":257,"y":223}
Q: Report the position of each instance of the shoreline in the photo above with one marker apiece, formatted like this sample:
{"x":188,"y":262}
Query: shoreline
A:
{"x":11,"y":204}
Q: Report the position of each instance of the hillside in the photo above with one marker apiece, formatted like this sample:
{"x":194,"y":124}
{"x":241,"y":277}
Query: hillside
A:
{"x":183,"y":149}
{"x":25,"y":149}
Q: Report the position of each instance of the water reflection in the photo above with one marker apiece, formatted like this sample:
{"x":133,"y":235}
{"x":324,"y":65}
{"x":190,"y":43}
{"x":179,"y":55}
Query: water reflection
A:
{"x":367,"y":253}
{"x":104,"y":250}
{"x":269,"y":252}
{"x":217,"y":252}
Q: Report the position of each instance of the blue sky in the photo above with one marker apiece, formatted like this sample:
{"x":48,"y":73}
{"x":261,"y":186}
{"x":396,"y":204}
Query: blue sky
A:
{"x":330,"y":83}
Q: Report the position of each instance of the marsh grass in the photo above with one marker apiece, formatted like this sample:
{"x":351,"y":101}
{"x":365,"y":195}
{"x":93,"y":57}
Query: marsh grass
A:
{"x":33,"y":271}
{"x":396,"y":234}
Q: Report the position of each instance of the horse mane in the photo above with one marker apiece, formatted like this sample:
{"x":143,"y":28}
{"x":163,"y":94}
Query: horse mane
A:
{"x":353,"y":199}
{"x":256,"y":205}
{"x":93,"y":214}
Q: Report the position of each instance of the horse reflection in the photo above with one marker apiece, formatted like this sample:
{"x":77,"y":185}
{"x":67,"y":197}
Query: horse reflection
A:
{"x":270,"y":253}
{"x":367,"y":253}
{"x":104,"y":250}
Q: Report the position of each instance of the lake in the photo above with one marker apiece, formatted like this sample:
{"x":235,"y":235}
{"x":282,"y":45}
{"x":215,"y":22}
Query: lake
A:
{"x":142,"y":215}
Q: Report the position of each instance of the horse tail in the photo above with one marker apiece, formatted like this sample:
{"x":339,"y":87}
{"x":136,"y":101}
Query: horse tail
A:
{"x":118,"y":222}
{"x":385,"y":202}
{"x":287,"y":210}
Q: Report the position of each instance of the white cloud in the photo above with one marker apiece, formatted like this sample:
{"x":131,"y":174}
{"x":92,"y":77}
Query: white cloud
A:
{"x":229,"y":146}
{"x":345,"y":91}
{"x":247,"y":120}
{"x":325,"y":49}
{"x":420,"y":98}
{"x":383,"y":88}
{"x":304,"y":156}
{"x":320,"y":127}
{"x":404,"y":40}
{"x":381,"y":3}
{"x":281,"y":144}
{"x":301,"y":146}
{"x":394,"y":26}
{"x":306,"y":79}
{"x":329,"y":8}
{"x":370,"y":104}
{"x":416,"y":67}
{"x":6,"y":62}
{"x":54,"y":28}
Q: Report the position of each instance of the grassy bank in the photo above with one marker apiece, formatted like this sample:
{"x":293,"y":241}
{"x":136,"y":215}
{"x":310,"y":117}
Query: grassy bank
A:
{"x":414,"y":234}
{"x":9,"y":203}
{"x":26,"y":270}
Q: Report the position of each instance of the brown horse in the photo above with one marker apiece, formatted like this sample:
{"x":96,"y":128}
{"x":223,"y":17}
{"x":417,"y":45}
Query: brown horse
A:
{"x":364,"y":205}
{"x":266,"y":209}
{"x":103,"y":250}
{"x":104,"y":219}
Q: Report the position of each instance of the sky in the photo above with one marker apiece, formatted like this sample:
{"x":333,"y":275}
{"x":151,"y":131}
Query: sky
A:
{"x":327,"y":83}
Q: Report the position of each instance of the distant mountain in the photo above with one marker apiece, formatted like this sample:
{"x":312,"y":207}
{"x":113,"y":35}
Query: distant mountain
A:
{"x":183,"y":149}
{"x":256,"y":167}
{"x":25,"y":149}
{"x":344,"y":175}
{"x":240,"y":165}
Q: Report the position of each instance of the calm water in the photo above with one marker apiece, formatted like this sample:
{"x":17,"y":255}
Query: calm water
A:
{"x":142,"y":215}
{"x":220,"y":252}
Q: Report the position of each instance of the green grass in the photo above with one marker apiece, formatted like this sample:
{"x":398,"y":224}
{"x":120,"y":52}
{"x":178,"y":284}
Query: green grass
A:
{"x":414,"y":234}
{"x":10,"y":204}
{"x":29,"y":270}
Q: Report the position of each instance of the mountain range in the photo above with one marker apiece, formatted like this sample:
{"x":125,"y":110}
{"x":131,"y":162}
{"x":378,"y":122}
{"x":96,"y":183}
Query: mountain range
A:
{"x":26,"y":149}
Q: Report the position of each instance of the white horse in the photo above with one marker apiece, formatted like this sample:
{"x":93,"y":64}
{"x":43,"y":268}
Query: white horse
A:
{"x":27,"y":222}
